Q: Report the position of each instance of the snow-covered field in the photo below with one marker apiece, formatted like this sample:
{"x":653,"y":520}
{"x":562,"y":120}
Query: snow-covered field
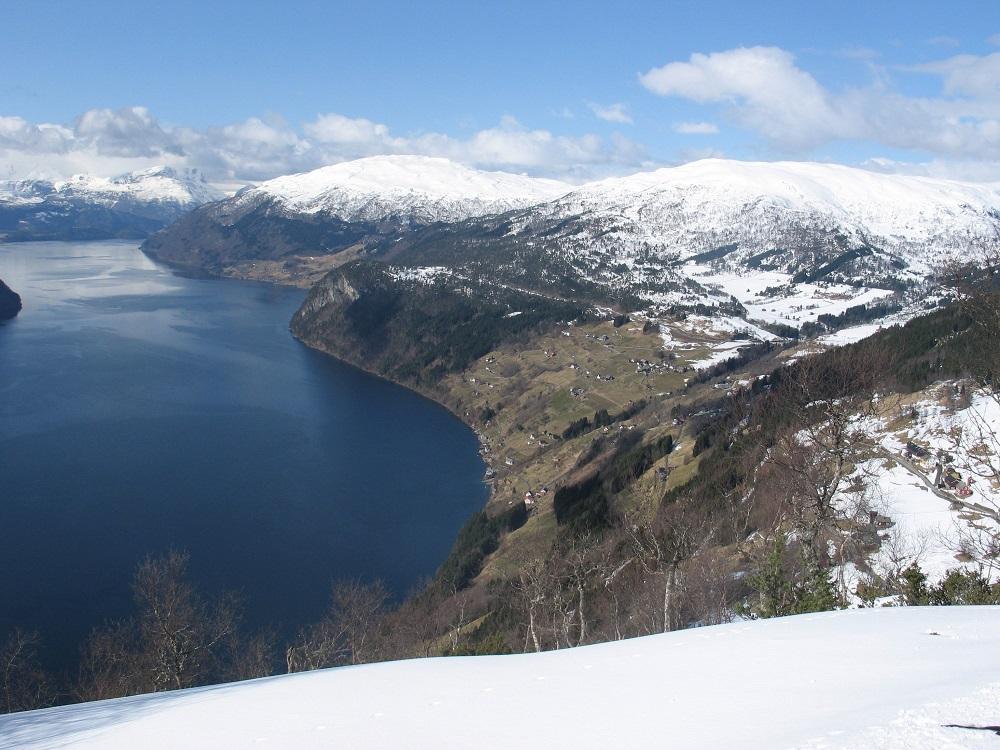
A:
{"x":931,"y":527}
{"x":925,"y":530}
{"x":882,"y":678}
{"x":723,"y":337}
{"x":967,"y":428}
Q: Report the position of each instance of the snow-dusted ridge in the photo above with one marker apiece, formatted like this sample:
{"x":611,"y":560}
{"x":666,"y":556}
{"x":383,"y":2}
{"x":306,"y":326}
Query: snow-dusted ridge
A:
{"x":760,"y":206}
{"x":877,"y":678}
{"x":156,"y":185}
{"x":422,"y":188}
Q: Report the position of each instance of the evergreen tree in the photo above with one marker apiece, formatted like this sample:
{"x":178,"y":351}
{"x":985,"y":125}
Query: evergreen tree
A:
{"x":914,"y":585}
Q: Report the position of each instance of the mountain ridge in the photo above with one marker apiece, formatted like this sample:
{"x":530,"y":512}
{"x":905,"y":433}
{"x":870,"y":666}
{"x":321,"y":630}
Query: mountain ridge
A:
{"x":87,"y":207}
{"x":807,"y":220}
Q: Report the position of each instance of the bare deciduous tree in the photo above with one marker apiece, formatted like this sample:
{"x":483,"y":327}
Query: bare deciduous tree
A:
{"x":180,"y":633}
{"x":820,"y":448}
{"x":25,"y":684}
{"x":349,"y":633}
{"x":110,"y":664}
{"x":678,"y":532}
{"x":532,"y":587}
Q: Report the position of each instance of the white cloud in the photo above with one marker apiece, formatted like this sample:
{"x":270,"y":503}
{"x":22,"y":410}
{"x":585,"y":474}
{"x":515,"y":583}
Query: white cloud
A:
{"x":106,"y":142}
{"x":994,"y":40}
{"x":764,"y":90}
{"x":768,"y":92}
{"x":131,"y":131}
{"x":967,"y":75}
{"x":696,"y":128}
{"x":617,"y":112}
{"x":334,"y":128}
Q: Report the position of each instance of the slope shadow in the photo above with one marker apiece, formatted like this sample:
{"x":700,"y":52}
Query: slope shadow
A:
{"x":63,"y":726}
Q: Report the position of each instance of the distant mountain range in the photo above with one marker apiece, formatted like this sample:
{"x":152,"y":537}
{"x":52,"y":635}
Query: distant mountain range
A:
{"x":752,"y":238}
{"x":773,"y":242}
{"x":84,"y":207}
{"x":367,"y":201}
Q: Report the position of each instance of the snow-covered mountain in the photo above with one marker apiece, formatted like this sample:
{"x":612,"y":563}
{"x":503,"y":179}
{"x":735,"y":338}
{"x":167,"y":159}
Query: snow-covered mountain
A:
{"x":790,"y":213}
{"x":421,"y":188}
{"x":156,"y":185}
{"x":913,"y":677}
{"x":132,"y":205}
{"x":781,"y":242}
{"x":336,"y":207}
{"x":712,"y":201}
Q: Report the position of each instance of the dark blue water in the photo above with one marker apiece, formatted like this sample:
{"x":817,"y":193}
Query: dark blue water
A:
{"x":141,"y":411}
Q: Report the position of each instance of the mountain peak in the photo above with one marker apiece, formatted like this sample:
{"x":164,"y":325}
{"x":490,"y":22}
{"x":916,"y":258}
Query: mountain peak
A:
{"x":161,"y":184}
{"x":425,"y":188}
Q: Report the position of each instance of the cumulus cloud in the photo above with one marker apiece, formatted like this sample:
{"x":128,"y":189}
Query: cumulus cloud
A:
{"x":611,"y":113}
{"x":131,"y":131}
{"x":766,"y":90}
{"x":696,"y":128}
{"x":104,"y":141}
{"x":762,"y":89}
{"x":967,"y":75}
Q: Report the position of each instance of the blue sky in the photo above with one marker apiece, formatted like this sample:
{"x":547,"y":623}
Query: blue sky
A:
{"x":575,"y":90}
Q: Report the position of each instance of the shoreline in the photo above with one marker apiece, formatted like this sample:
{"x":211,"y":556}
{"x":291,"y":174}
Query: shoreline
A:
{"x":425,"y":394}
{"x":197,"y":272}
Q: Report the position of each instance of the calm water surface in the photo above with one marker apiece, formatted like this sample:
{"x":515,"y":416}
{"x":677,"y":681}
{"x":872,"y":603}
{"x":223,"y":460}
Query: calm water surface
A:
{"x":141,"y":411}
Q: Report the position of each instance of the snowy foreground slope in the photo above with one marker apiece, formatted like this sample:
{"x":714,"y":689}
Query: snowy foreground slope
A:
{"x":884,"y":678}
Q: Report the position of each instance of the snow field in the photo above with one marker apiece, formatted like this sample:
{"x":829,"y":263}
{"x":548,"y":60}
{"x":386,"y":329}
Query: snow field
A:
{"x":831,"y":680}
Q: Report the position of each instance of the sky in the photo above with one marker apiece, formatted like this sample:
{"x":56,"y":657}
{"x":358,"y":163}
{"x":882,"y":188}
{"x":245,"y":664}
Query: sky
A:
{"x":248,"y":91}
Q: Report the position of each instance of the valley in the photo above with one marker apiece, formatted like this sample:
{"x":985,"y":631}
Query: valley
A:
{"x":597,"y":342}
{"x":530,"y":375}
{"x":675,"y":432}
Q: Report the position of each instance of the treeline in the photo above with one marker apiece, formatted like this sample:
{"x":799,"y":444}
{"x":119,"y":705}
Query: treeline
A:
{"x":176,"y":638}
{"x":602,"y":418}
